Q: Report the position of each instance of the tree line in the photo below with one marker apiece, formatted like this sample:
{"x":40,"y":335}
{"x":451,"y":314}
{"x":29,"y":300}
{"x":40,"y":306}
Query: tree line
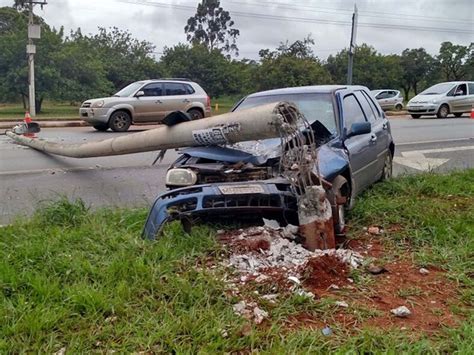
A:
{"x":74,"y":67}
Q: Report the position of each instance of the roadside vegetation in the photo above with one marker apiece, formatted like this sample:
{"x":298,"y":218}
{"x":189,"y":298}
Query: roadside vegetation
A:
{"x":84,"y":281}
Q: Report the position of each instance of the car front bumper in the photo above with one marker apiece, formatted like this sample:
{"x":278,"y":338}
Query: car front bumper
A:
{"x":222,"y":200}
{"x":422,"y":109}
{"x":95,"y":116}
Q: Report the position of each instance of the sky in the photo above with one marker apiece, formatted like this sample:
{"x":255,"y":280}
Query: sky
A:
{"x":388,"y":25}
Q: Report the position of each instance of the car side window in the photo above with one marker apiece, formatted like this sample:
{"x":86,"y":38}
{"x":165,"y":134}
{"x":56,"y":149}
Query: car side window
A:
{"x":369,"y":113}
{"x":461,"y":90}
{"x":374,"y":107}
{"x":352,"y":112}
{"x":154,"y":89}
{"x":451,"y":92}
{"x":381,"y":95}
{"x":391,"y":94}
{"x":471,"y":88}
{"x":189,"y":89}
{"x":175,"y":89}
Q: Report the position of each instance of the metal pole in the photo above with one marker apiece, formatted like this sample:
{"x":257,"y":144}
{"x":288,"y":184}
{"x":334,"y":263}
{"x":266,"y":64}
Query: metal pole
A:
{"x":352,"y":46}
{"x":31,"y":69}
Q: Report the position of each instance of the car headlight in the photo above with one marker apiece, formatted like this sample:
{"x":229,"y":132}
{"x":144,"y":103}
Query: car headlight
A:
{"x":98,"y":104}
{"x":434,"y":101}
{"x":181,"y":177}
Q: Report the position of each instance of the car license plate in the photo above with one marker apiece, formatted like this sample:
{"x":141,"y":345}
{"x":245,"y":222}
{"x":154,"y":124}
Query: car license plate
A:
{"x":241,"y":189}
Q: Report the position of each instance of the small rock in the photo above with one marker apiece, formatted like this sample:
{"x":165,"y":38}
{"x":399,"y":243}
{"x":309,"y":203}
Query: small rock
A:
{"x":333,"y":287}
{"x":401,"y":312}
{"x":271,"y":223}
{"x":294,"y":279}
{"x":259,"y":315}
{"x":224,"y":333}
{"x":305,"y":294}
{"x":374,"y":230}
{"x":326,"y":331}
{"x":376,"y":269}
{"x":342,"y":304}
{"x":270,"y":297}
{"x":239,"y":307}
{"x":424,"y":271}
{"x":61,"y":351}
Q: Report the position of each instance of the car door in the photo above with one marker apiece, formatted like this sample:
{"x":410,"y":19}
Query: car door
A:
{"x":149,"y":106}
{"x":391,"y":99}
{"x":382,"y":99}
{"x":380,"y":129}
{"x":360,"y":148}
{"x":460,"y":101}
{"x":176,"y":97}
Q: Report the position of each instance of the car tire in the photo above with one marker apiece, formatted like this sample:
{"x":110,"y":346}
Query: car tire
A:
{"x":398,"y":107}
{"x":339,"y":191}
{"x":387,"y":170}
{"x":443,"y":111}
{"x":415,"y":116}
{"x":102,"y":127}
{"x":195,"y":114}
{"x":120,"y":121}
{"x":458,"y":114}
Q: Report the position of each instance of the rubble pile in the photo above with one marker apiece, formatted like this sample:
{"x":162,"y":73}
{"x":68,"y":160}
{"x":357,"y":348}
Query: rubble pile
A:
{"x":257,"y":249}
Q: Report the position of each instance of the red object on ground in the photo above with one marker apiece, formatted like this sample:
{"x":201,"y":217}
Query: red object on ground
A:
{"x":472,"y":112}
{"x":28,"y":120}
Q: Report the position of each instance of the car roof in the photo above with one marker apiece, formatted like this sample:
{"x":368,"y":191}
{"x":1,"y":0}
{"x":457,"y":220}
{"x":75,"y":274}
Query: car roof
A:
{"x":384,"y":90}
{"x":182,"y":81}
{"x":319,"y":89}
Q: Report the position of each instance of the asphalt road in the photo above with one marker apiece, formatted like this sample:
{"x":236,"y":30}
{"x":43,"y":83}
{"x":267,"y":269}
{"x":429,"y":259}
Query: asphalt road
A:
{"x":29,"y":177}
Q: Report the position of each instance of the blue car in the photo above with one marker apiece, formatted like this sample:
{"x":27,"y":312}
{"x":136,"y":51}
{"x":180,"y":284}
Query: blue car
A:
{"x":242,"y":181}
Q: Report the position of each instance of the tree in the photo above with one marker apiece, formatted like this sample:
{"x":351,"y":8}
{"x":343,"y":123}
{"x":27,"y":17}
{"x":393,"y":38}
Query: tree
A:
{"x":454,"y":60}
{"x":290,"y":65}
{"x":211,"y":27}
{"x":417,"y":65}
{"x":371,"y":69}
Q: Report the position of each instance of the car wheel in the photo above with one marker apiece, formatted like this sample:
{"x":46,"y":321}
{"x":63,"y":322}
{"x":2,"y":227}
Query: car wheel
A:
{"x":387,"y":167}
{"x":443,"y":111}
{"x":415,"y":116}
{"x":339,"y":196}
{"x":398,"y":107}
{"x":458,"y":114}
{"x":101,"y":127}
{"x":195,"y":114}
{"x":120,"y":121}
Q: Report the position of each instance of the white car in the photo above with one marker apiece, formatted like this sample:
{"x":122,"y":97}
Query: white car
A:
{"x":389,"y":99}
{"x":456,"y":97}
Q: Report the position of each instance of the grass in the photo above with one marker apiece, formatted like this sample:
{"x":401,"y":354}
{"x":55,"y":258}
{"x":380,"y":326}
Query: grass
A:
{"x":85,"y":281}
{"x":57,"y":110}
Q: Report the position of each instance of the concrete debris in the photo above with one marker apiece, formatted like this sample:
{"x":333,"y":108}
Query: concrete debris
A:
{"x":401,"y":312}
{"x":326,"y":331}
{"x":270,"y":297}
{"x":376,"y":269}
{"x":342,"y":304}
{"x":424,"y":271}
{"x":271,"y":223}
{"x":250,"y":311}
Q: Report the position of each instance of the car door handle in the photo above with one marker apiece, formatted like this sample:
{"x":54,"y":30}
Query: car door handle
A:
{"x":158,"y":102}
{"x":373,"y":138}
{"x":186,"y":100}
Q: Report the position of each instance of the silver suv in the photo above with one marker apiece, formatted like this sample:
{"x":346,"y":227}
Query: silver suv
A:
{"x":147,"y":101}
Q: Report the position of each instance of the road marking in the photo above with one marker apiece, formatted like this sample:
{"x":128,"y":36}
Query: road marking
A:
{"x":416,"y":159}
{"x":438,"y":141}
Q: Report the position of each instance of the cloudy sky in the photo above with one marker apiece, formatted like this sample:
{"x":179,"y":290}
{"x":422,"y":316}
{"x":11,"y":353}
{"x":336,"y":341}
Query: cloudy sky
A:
{"x":388,"y":25}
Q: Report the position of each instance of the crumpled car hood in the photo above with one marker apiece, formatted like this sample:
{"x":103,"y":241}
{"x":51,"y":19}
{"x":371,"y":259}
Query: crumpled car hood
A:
{"x":331,"y":160}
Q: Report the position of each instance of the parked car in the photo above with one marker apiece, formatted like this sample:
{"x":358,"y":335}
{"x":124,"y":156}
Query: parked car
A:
{"x":147,"y":101}
{"x":355,"y":150}
{"x":389,"y":99}
{"x":456,"y":97}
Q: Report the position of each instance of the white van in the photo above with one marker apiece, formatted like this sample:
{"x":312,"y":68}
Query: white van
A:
{"x":456,"y":97}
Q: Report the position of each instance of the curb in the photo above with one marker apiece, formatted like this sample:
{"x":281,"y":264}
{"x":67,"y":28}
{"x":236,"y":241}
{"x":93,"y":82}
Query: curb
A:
{"x":46,"y":124}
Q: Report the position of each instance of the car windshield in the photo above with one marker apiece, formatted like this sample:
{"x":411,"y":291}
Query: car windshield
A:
{"x":129,"y":89}
{"x":313,"y":106}
{"x":438,"y":89}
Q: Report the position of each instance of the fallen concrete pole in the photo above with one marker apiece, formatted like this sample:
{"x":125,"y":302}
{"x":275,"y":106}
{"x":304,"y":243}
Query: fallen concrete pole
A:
{"x":267,"y":121}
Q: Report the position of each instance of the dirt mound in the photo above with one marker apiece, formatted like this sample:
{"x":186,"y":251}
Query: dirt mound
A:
{"x":323,"y":271}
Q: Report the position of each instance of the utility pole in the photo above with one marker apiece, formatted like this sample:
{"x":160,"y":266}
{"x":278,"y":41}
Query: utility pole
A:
{"x":34,"y":32}
{"x":352,"y":45}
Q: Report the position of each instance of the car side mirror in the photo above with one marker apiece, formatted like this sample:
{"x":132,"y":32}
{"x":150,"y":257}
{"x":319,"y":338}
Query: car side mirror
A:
{"x":140,"y":93}
{"x":359,"y":128}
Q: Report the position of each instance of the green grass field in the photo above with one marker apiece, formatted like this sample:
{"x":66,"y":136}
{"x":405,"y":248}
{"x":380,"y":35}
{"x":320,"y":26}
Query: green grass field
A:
{"x":85,"y":281}
{"x":58,"y":110}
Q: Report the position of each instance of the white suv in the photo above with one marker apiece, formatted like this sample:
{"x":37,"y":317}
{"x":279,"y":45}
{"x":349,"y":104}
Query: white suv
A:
{"x":147,"y":101}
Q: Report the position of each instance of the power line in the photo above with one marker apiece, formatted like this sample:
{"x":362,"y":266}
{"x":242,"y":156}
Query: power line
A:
{"x":363,"y":12}
{"x":304,"y":19}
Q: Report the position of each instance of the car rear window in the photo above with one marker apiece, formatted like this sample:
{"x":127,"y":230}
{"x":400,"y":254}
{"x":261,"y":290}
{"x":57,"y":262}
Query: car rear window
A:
{"x":313,"y":106}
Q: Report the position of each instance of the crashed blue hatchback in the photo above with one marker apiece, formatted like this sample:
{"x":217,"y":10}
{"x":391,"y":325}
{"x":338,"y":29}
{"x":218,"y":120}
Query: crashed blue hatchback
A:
{"x":244,"y":181}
